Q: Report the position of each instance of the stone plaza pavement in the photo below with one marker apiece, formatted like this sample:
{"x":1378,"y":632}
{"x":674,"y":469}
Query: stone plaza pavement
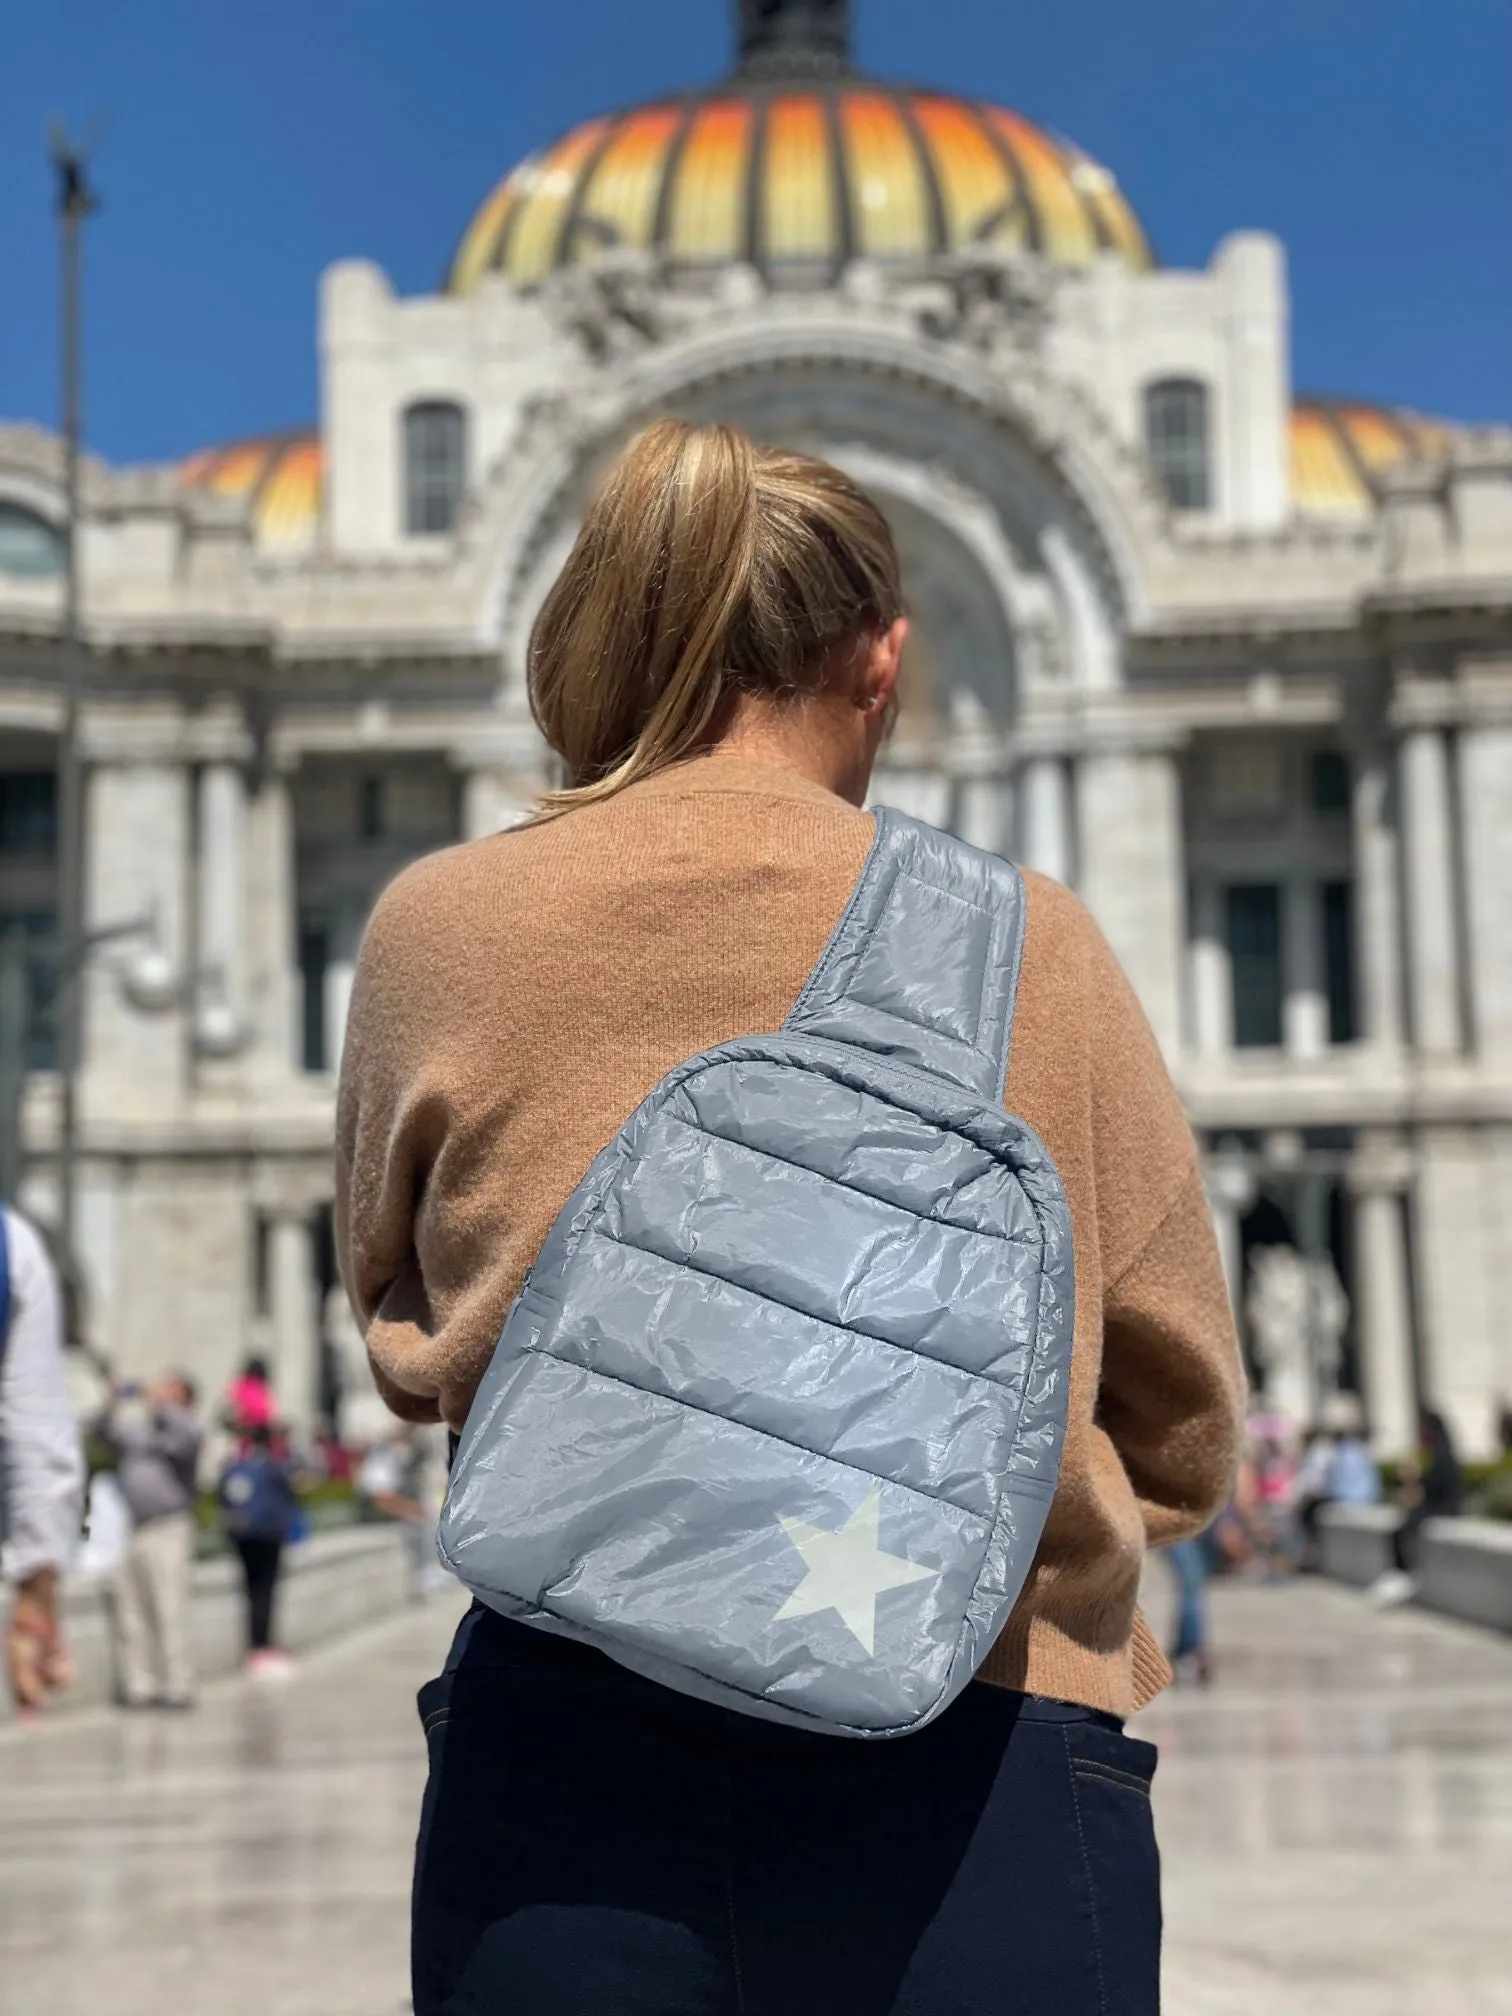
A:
{"x":1336,"y":1816}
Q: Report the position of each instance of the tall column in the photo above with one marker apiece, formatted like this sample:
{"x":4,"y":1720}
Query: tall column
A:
{"x":272,"y":964}
{"x":1133,"y":873}
{"x":339,"y":974}
{"x":1044,"y":802}
{"x":922,"y":792}
{"x":1230,"y":1247}
{"x":296,"y":1319}
{"x":1383,"y":1307}
{"x":137,"y":867}
{"x":1378,"y":907}
{"x":1458,"y":1235}
{"x":1210,"y":970}
{"x":493,"y":800}
{"x":985,"y":814}
{"x":1304,"y":1010}
{"x":1486,"y":813}
{"x":1230,"y":1183}
{"x":482,"y":812}
{"x":1428,"y":864}
{"x":222,"y":906}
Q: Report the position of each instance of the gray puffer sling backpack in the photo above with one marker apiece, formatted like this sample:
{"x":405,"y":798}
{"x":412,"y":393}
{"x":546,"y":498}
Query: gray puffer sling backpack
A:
{"x":777,"y":1417}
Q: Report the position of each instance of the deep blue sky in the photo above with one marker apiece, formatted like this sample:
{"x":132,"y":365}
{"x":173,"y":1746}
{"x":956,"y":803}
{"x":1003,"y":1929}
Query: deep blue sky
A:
{"x":247,"y":143}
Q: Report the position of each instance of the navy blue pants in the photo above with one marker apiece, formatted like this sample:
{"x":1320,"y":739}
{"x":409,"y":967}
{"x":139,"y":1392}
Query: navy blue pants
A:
{"x":594,"y":1845}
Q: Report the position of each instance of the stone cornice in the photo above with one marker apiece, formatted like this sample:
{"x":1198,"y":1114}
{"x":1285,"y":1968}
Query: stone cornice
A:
{"x":1382,"y":1163}
{"x":36,"y":454}
{"x":1480,"y":697}
{"x":204,"y":645}
{"x":1397,"y":603}
{"x":1358,"y":1086}
{"x":1252,"y":624}
{"x":1469,"y":451}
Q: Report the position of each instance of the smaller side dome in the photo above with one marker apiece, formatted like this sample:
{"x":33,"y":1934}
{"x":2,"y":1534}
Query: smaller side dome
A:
{"x":1338,"y":446}
{"x":282,"y":477}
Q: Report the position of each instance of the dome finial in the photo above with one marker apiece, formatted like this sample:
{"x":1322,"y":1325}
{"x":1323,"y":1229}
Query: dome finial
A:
{"x":788,"y":38}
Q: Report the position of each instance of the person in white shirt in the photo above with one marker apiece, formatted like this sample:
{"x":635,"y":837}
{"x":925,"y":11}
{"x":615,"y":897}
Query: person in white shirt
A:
{"x":393,"y":1480}
{"x":41,"y":1463}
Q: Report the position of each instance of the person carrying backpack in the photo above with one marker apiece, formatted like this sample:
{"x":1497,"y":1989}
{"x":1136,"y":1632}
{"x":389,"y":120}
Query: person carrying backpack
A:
{"x":41,"y":1463}
{"x":260,"y":1510}
{"x":790,"y":1210}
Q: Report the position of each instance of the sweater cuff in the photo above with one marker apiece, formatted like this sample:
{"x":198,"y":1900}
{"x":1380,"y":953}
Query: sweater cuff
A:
{"x":1151,"y":1668}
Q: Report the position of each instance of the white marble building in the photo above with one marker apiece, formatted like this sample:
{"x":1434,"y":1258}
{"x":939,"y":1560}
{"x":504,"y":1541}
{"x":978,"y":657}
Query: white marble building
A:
{"x":1235,"y":663}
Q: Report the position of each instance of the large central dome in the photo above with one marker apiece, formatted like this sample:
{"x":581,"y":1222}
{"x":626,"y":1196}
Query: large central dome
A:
{"x":797,"y":165}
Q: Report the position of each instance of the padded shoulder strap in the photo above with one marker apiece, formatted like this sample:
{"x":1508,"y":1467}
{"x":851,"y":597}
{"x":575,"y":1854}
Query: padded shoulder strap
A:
{"x":923,"y":966}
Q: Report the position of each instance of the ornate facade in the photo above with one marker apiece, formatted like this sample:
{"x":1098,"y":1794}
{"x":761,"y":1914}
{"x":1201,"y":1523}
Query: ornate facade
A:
{"x":1235,"y":663}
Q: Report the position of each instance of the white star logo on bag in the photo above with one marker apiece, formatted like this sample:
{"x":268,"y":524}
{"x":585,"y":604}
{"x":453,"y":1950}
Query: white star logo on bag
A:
{"x":848,"y":1570}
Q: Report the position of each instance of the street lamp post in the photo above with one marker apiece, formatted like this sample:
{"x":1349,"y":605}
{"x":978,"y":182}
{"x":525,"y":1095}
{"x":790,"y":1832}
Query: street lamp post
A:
{"x":75,"y":201}
{"x":149,"y":982}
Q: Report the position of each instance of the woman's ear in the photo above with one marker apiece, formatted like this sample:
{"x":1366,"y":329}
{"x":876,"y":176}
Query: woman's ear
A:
{"x":880,"y":668}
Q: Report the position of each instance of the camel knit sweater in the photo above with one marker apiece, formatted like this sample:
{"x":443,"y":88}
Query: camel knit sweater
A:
{"x":517,"y":998}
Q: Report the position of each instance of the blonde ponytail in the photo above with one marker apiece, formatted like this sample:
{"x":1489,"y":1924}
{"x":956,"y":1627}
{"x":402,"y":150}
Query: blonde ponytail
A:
{"x":706,"y":566}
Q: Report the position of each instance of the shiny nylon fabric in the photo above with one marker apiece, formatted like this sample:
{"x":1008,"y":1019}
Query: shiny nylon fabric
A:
{"x":820,"y":1283}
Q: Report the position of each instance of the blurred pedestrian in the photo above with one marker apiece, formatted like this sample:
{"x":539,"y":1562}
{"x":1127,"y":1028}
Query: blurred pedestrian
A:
{"x":1353,"y":1478}
{"x":261,"y":1509}
{"x":41,"y":1464}
{"x":1310,"y":1493}
{"x":393,"y":1480}
{"x":1191,"y":1653}
{"x":250,"y":1402}
{"x":1433,"y":1487}
{"x":154,"y":1434}
{"x":1439,"y":1492}
{"x":1271,"y":1517}
{"x":1233,"y":1532}
{"x":333,"y":1459}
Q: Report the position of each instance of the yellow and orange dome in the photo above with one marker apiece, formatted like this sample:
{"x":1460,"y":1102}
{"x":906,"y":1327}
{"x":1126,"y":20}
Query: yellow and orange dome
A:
{"x":798,"y":175}
{"x":1339,"y":446}
{"x":280,"y":476}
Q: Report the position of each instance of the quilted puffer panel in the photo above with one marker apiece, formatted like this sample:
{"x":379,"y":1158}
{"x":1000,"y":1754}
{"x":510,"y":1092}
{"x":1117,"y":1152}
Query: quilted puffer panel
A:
{"x":696,"y":1338}
{"x":872,"y":1145}
{"x":829,"y":1251}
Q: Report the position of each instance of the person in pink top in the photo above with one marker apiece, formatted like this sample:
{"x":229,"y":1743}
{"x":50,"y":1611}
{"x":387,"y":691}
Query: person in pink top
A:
{"x":250,"y":1401}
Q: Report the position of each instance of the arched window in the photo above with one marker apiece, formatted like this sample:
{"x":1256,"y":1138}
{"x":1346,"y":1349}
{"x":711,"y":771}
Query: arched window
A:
{"x":28,"y":544}
{"x":435,"y":465}
{"x":1176,"y":435}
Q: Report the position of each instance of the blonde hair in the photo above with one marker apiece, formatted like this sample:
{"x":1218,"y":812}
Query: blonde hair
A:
{"x":706,"y":566}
